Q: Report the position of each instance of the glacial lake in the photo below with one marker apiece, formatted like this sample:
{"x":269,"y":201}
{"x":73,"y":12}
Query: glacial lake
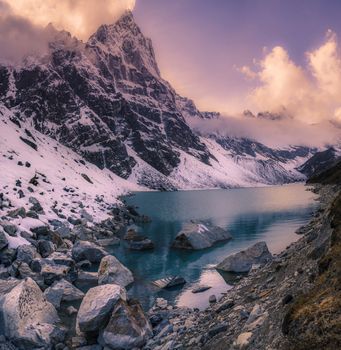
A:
{"x":270,"y":214}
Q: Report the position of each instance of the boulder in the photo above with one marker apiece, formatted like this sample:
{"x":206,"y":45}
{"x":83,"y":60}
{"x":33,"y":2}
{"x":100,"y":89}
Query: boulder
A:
{"x":26,"y":317}
{"x":84,"y":250}
{"x":169,"y":282}
{"x":243,"y":261}
{"x":63,"y":291}
{"x":53,"y":272}
{"x":112,"y":271}
{"x":199,"y":236}
{"x":36,"y":206}
{"x":144,"y":244}
{"x":26,"y":253}
{"x":128,"y":328}
{"x":7,"y":255}
{"x":131,"y":235}
{"x":10,"y":230}
{"x":201,"y":288}
{"x":3,"y":240}
{"x":45,"y":248}
{"x":97,"y":306}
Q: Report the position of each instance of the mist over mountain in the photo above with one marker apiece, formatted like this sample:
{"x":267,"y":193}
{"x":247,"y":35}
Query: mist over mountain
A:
{"x":107,"y":101}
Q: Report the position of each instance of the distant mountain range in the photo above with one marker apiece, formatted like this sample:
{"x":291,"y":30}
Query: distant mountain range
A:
{"x":106,"y":100}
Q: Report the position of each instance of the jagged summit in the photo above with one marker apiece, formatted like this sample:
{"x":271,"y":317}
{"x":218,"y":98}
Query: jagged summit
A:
{"x":125,"y":38}
{"x":105,"y":99}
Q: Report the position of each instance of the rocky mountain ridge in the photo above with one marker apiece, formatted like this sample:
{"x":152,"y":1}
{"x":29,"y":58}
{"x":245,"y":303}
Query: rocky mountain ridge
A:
{"x":106,"y":100}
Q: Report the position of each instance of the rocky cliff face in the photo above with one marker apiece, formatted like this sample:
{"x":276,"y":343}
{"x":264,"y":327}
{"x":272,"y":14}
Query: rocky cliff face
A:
{"x":102,"y":97}
{"x":105,"y":99}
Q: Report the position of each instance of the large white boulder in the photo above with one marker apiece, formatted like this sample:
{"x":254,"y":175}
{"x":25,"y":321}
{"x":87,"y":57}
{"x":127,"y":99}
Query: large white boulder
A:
{"x":112,"y":271}
{"x":200,"y":236}
{"x":243,"y":261}
{"x":26,"y":317}
{"x":97,"y":306}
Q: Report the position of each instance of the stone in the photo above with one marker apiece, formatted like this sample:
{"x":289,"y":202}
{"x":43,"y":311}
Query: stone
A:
{"x":243,"y":261}
{"x":169,"y":282}
{"x":128,"y":327}
{"x":45,"y":248}
{"x":243,"y":340}
{"x":26,"y":317}
{"x":32,"y":214}
{"x":10,"y":230}
{"x":85,"y":215}
{"x":256,"y":311}
{"x":213,"y":331}
{"x":131,"y":235}
{"x":7,"y":255}
{"x":3,"y":240}
{"x":195,"y":236}
{"x":107,"y":242}
{"x":212,"y":299}
{"x":26,"y":253}
{"x":36,"y":206}
{"x":50,"y":271}
{"x":145,"y":244}
{"x":112,"y":271}
{"x":161,"y":303}
{"x":17,"y":212}
{"x":85,"y":277}
{"x":61,"y":258}
{"x":225,"y":306}
{"x":201,"y":288}
{"x":54,"y":296}
{"x":68,"y":291}
{"x":84,"y":250}
{"x":97,"y":306}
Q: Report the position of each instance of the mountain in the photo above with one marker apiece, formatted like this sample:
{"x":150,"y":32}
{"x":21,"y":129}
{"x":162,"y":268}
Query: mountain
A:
{"x":320,"y":162}
{"x":106,"y":100}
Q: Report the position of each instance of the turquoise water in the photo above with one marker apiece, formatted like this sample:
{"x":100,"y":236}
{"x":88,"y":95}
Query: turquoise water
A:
{"x":271,"y":214}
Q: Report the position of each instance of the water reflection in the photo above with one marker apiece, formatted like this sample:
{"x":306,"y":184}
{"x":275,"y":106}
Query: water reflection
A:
{"x":271,"y":214}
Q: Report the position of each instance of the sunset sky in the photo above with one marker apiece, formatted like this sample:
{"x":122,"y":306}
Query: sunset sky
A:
{"x":226,"y":55}
{"x":201,"y":45}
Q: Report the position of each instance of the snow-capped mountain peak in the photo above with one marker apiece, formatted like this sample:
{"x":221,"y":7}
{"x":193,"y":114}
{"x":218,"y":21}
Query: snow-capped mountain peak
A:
{"x":105,"y":100}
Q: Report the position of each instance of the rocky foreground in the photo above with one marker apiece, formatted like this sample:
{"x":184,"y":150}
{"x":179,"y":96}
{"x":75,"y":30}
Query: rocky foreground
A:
{"x":60,"y":289}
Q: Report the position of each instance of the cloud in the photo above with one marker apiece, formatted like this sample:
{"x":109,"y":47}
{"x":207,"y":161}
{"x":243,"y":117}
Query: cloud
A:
{"x":310,"y":93}
{"x":274,"y":133}
{"x":23,"y":22}
{"x":19,"y":37}
{"x":80,"y":17}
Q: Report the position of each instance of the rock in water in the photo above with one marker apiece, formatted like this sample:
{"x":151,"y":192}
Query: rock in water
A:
{"x":128,"y":327}
{"x":97,"y":306}
{"x":169,"y":282}
{"x":26,"y":317}
{"x":243,"y":261}
{"x":200,"y":236}
{"x":84,"y":250}
{"x":144,"y":244}
{"x":201,"y":288}
{"x":112,"y":271}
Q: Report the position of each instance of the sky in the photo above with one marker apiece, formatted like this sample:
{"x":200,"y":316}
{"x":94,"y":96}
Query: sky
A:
{"x":202,"y":45}
{"x":281,"y":56}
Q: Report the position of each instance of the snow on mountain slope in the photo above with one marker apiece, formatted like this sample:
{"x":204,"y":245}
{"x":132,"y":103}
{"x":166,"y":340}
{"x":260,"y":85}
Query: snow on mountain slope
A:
{"x":106,"y":101}
{"x":59,"y":178}
{"x":229,"y":170}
